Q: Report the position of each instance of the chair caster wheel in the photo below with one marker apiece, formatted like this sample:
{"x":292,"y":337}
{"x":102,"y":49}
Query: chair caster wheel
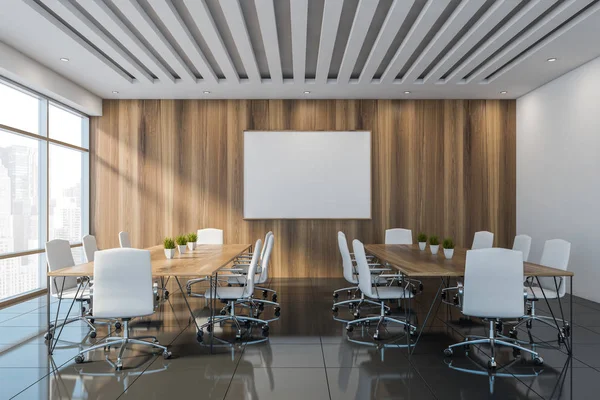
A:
{"x":388,"y":312}
{"x":349,"y":292}
{"x":528,"y":324}
{"x":157,"y":298}
{"x":274,"y":298}
{"x":119,"y":367}
{"x":118,"y":325}
{"x":199,"y":335}
{"x":334,"y":309}
{"x":48,"y":336}
{"x":166,"y":294}
{"x":166,"y":355}
{"x":229,"y":285}
{"x":491,"y":364}
{"x":421,"y":287}
{"x":336,"y":295}
{"x":92,"y":320}
{"x":277,"y":309}
{"x":265,"y":294}
{"x":223,"y":312}
{"x":93,"y":334}
{"x":277,"y":313}
{"x":512,"y":334}
{"x":538,"y":361}
{"x":83,"y":310}
{"x":209,"y":328}
{"x":356,"y":315}
{"x":79,"y":359}
{"x":349,"y":328}
{"x":516,"y":353}
{"x":443,"y":296}
{"x":350,"y":306}
{"x":265,"y":328}
{"x":448,"y":352}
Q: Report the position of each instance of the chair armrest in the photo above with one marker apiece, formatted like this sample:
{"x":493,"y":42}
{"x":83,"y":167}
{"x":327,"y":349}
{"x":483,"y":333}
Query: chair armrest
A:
{"x":391,"y":276}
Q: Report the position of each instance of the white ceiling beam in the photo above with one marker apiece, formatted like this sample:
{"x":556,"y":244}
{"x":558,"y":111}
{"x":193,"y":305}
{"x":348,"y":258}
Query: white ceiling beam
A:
{"x":549,"y":39}
{"x":430,"y":13}
{"x":393,"y":21}
{"x":268,"y":29}
{"x":541,"y":29}
{"x":332,"y":12}
{"x":206,"y":25}
{"x":482,"y":27}
{"x":138,"y":17}
{"x":299,"y":15}
{"x":119,"y":30}
{"x":362,"y":21}
{"x":241,"y":37}
{"x":459,"y":18}
{"x":516,"y":24}
{"x":170,"y":17}
{"x":71,"y":15}
{"x":69,"y":33}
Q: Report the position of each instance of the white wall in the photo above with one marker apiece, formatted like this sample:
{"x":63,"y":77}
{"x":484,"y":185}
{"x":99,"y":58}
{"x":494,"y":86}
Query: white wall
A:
{"x":558,"y":171}
{"x":22,"y":69}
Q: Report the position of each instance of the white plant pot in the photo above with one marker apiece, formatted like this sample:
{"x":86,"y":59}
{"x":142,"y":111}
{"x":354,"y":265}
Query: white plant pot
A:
{"x":434,"y":248}
{"x":169,"y":253}
{"x":422,"y":246}
{"x":181,"y":248}
{"x":191,"y":246}
{"x":448,"y":253}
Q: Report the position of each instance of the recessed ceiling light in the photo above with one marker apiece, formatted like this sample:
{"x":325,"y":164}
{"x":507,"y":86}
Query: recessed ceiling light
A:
{"x":115,"y":92}
{"x":551,"y":59}
{"x":307,"y":92}
{"x":206,"y":92}
{"x":503,"y":92}
{"x":406,"y":92}
{"x":64,"y":59}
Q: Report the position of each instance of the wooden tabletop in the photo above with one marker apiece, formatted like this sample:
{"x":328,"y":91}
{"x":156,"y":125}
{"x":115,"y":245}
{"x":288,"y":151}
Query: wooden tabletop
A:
{"x":413,"y":262}
{"x":205,"y":260}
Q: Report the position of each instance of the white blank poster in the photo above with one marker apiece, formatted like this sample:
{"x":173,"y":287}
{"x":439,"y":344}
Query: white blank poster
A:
{"x":307,"y":175}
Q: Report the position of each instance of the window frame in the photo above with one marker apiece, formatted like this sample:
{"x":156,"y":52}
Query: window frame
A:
{"x":45,"y":141}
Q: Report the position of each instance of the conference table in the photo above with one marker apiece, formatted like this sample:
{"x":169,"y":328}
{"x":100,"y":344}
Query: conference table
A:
{"x":411,"y":262}
{"x":205,"y":260}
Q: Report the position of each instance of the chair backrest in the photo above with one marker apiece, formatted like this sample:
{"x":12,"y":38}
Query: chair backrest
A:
{"x":265,"y":258}
{"x":483,"y":240}
{"x":522,"y":243}
{"x":89,"y":247}
{"x":398,"y":236}
{"x":493,"y":286}
{"x":58,"y":255}
{"x":556,"y":254}
{"x":364,"y":274}
{"x":347,"y":266}
{"x":124,"y":241}
{"x":123,"y":283}
{"x":250,"y":277}
{"x":210,"y":236}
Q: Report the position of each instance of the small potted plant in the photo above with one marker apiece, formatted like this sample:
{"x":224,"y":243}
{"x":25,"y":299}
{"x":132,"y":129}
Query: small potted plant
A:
{"x":181,"y":241}
{"x":434,"y":244}
{"x":169,"y":248}
{"x":191,"y":240}
{"x":448,"y":248}
{"x":422,"y":239}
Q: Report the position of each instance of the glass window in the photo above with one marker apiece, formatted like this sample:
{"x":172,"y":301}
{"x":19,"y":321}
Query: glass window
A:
{"x":67,"y":126}
{"x":19,"y":110}
{"x":19,"y":193}
{"x":66,"y":193}
{"x":22,"y":274}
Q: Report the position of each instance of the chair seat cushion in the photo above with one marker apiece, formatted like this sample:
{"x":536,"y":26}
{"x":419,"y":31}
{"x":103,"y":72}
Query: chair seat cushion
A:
{"x":391,"y":292}
{"x":226,"y":293}
{"x":535,"y":292}
{"x":71,"y":292}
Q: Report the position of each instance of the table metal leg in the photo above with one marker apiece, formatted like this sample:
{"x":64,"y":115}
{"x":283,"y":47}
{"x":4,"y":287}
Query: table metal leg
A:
{"x":80,"y":288}
{"x":433,"y":303}
{"x":568,"y":345}
{"x":183,"y":293}
{"x":571,"y":317}
{"x":48,"y":311}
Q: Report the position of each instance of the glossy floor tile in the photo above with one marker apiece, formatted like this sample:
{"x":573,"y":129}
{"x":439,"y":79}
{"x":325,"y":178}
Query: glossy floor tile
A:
{"x":308,"y":354}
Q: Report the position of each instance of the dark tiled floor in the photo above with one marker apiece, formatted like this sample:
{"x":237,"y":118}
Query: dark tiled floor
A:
{"x":308,"y":356}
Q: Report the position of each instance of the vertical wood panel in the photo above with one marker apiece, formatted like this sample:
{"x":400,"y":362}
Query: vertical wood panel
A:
{"x":165,"y":167}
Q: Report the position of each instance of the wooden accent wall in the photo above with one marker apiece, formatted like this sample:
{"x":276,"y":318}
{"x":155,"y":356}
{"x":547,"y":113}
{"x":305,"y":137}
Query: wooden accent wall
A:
{"x":164,"y":167}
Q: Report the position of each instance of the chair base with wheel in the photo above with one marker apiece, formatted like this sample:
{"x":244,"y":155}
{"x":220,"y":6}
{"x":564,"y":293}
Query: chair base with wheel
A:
{"x":382,"y":319}
{"x":493,"y":340}
{"x":112,"y":341}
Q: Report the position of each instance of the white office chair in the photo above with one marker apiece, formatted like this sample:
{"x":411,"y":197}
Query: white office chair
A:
{"x":522,"y":243}
{"x":235,"y":294}
{"x":263,"y":266}
{"x":246,"y":257}
{"x":493,"y":291}
{"x":124,"y":241}
{"x":377,"y":293}
{"x":556,"y":254}
{"x":483,"y":240}
{"x":123,"y":290}
{"x":398,"y":236}
{"x":89,"y":247}
{"x":351,"y":275}
{"x":58,"y":255}
{"x":243,"y":261}
{"x":205,"y":236}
